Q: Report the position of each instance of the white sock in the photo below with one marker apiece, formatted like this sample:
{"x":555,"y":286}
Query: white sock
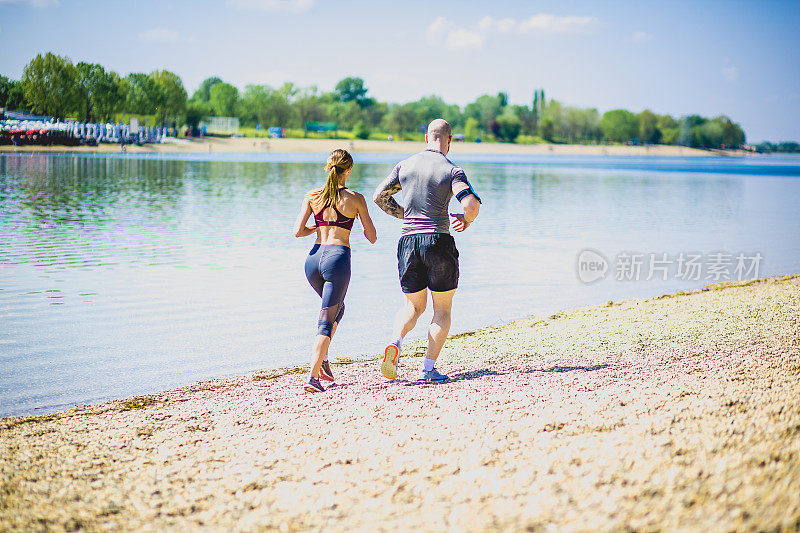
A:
{"x":428,"y":364}
{"x":399,"y":343}
{"x":326,"y":357}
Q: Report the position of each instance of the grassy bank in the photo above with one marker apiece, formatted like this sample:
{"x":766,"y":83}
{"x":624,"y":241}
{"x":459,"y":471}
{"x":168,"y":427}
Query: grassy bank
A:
{"x":678,"y":412}
{"x":249,"y":144}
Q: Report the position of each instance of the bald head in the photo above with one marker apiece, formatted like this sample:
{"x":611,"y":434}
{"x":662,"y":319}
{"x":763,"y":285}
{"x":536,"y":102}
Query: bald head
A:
{"x":438,"y":129}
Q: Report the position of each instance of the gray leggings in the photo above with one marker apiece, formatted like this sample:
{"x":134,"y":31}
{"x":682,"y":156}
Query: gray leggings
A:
{"x":328,"y":272}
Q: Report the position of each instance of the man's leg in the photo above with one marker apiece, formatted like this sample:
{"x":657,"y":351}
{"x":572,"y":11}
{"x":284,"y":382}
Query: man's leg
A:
{"x":440,"y":325}
{"x":404,"y":321}
{"x":407,"y":316}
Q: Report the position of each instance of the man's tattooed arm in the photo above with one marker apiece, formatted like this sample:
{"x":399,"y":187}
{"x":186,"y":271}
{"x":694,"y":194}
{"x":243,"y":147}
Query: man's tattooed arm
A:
{"x":383,"y":196}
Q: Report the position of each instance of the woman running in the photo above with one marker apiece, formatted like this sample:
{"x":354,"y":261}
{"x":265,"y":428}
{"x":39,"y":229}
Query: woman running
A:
{"x":334,"y":207}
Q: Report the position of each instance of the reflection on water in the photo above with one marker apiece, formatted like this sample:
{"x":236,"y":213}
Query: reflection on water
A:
{"x":127,"y":275}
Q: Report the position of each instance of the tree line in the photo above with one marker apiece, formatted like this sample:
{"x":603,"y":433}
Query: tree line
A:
{"x":52,"y":85}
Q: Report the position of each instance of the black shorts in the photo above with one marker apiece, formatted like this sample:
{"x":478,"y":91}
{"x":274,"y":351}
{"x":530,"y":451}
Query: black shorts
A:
{"x":427,"y":261}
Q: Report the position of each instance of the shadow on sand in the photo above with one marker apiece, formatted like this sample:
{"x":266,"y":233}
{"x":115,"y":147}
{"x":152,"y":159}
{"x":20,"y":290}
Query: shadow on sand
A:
{"x":475,"y":374}
{"x":567,"y":369}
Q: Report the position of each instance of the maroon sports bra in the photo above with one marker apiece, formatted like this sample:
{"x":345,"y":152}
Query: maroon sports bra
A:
{"x":341,"y":220}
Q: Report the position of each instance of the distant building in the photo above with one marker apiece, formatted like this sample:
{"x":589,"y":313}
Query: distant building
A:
{"x":220,"y":125}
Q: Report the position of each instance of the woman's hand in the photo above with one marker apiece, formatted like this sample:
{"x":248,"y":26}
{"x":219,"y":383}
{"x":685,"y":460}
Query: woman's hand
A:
{"x":301,"y":226}
{"x":307,"y":230}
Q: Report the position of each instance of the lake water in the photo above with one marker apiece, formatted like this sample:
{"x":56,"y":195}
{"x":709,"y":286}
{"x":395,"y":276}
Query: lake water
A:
{"x":123,"y":275}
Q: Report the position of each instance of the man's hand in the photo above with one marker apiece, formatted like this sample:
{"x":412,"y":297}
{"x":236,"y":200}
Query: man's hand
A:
{"x":459,"y":222}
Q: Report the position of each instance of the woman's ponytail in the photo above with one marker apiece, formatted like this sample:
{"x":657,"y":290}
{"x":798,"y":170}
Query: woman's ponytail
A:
{"x":338,"y":163}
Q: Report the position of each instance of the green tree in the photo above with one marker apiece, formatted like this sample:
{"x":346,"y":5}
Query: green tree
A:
{"x":553,"y":117}
{"x":351,"y":89}
{"x":580,"y":124}
{"x":361,"y":130}
{"x":203,"y":93}
{"x":223,"y":99}
{"x":732,"y":133}
{"x":172,"y":107}
{"x":267,"y":106}
{"x":48,"y":84}
{"x":709,"y":134}
{"x":401,"y":118}
{"x":251,"y":101}
{"x":619,"y":125}
{"x":375,"y":114}
{"x":100,"y":92}
{"x":484,"y":109}
{"x":196,"y":111}
{"x":471,"y":131}
{"x":144,"y":96}
{"x":536,"y":108}
{"x":547,"y":129}
{"x":309,"y":106}
{"x":502,"y":99}
{"x":686,"y":125}
{"x":431,"y":107}
{"x":509,"y":126}
{"x":11,"y":94}
{"x":668,"y":129}
{"x":527,"y":119}
{"x":648,"y":131}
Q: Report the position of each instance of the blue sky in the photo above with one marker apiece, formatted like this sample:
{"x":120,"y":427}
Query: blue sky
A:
{"x":707,"y":57}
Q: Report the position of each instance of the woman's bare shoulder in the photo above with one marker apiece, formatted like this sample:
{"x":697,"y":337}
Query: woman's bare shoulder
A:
{"x":353,"y":195}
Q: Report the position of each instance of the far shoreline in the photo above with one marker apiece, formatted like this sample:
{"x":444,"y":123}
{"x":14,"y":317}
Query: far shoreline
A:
{"x":261,"y":145}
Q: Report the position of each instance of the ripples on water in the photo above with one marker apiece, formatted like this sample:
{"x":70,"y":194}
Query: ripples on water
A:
{"x":127,"y":275}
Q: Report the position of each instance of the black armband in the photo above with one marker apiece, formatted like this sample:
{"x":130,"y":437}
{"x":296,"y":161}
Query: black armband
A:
{"x":466,"y":192}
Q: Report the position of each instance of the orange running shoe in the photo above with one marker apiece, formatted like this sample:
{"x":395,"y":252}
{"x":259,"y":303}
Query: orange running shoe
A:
{"x":390,"y":356}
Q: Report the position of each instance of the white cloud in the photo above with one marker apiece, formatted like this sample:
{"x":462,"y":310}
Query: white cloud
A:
{"x":290,"y":6}
{"x":438,"y":31}
{"x":505,"y":26}
{"x":444,"y":31}
{"x":455,"y":37}
{"x":730,"y":74}
{"x":552,"y":24}
{"x":641,"y":37}
{"x":158,"y":35}
{"x":461,"y":39}
{"x":33,"y":3}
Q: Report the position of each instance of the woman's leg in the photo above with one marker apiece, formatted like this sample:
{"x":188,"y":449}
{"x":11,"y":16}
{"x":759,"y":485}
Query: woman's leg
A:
{"x":329,"y":317}
{"x":317,"y":282}
{"x":335,"y":269}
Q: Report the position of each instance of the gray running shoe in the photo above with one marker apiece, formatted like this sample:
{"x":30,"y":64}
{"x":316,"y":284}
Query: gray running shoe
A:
{"x":325,"y":372}
{"x":432,"y":376}
{"x":313,"y":385}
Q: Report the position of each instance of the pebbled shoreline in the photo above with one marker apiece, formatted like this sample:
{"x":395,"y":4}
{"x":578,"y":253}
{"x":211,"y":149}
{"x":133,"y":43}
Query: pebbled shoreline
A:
{"x":677,"y":412}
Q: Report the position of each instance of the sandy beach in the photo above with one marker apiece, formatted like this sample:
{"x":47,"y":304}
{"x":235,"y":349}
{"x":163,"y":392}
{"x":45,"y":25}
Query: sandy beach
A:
{"x":677,"y":412}
{"x":222,"y":145}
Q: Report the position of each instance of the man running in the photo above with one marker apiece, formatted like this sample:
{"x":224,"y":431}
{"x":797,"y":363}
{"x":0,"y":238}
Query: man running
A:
{"x":426,"y":254}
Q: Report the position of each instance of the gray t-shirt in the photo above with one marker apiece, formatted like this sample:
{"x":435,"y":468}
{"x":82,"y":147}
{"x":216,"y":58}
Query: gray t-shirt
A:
{"x":427,"y":181}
